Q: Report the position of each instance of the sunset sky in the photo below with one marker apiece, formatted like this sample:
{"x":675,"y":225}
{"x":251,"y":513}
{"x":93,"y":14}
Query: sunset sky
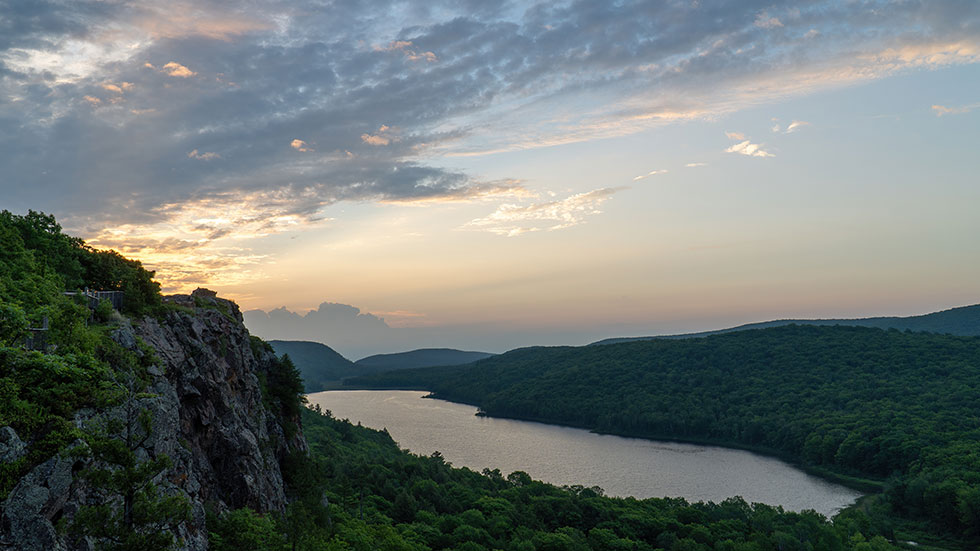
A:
{"x":551,"y":172}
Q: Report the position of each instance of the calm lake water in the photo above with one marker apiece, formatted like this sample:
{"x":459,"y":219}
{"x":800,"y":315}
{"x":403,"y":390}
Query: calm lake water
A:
{"x":561,"y":455}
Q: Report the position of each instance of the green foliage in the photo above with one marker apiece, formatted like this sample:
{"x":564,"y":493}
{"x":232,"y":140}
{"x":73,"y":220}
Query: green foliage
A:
{"x":283,"y":390}
{"x":132,"y":515}
{"x":40,"y":391}
{"x":38,"y":395}
{"x":13,"y":324}
{"x":110,"y":271}
{"x":243,"y":529}
{"x":38,"y":263}
{"x":103,"y":312}
{"x":851,"y":400}
{"x":259,"y":347}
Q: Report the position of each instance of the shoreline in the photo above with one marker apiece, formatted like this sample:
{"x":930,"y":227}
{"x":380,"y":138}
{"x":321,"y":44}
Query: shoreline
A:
{"x":868,"y":486}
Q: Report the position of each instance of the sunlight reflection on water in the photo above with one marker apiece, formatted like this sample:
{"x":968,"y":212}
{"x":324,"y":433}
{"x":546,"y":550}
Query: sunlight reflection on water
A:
{"x":563,"y":455}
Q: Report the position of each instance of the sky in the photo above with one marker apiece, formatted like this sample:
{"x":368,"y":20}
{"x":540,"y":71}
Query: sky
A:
{"x":492,"y":174}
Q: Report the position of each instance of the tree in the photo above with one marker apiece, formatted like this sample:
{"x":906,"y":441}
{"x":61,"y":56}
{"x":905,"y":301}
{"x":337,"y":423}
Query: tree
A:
{"x":133,"y":515}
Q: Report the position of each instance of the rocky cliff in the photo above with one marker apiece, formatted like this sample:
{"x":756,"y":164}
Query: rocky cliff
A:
{"x":205,"y":397}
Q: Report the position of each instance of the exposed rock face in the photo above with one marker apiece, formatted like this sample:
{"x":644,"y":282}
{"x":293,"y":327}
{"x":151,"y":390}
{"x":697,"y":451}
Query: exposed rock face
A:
{"x":36,"y":501}
{"x":208,"y":417}
{"x":12,"y":447}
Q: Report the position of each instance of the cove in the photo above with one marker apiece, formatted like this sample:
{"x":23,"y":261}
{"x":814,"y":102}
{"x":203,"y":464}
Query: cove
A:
{"x":621,"y":466}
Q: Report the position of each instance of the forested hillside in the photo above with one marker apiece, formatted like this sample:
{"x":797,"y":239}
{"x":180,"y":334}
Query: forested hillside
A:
{"x":318,"y":364}
{"x":885,"y":404}
{"x":424,"y":357}
{"x":963,"y":321}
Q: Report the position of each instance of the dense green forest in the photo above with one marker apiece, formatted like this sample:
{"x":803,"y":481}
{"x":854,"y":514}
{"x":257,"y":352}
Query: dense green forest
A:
{"x":357,"y":491}
{"x":896,"y":406}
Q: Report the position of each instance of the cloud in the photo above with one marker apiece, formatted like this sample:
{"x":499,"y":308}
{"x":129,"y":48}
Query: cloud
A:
{"x":942,"y":110}
{"x":512,"y":220}
{"x":695,"y":165}
{"x":206,"y":156}
{"x":454,"y":78}
{"x":213,"y":236}
{"x":405,"y":46}
{"x":750,"y":149}
{"x":384,"y":136}
{"x":349,"y":330}
{"x":175,"y":69}
{"x":763,"y":21}
{"x":178,"y":19}
{"x":648,"y":174}
{"x":796,"y":125}
{"x":746,"y":147}
{"x":117,"y":88}
{"x":790,"y":128}
{"x":300,"y":145}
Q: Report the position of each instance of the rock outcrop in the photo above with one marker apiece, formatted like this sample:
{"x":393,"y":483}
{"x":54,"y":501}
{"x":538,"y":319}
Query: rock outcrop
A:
{"x":208,"y":417}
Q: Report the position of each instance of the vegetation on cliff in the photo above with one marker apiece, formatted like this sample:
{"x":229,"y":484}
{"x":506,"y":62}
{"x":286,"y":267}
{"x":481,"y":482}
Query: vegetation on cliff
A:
{"x":120,"y":426}
{"x":39,"y":392}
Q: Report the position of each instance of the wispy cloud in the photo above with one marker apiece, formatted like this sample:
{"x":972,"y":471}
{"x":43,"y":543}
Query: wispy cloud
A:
{"x":203,"y":156}
{"x":746,"y":147}
{"x":941,"y":110}
{"x":695,"y":165}
{"x":117,"y":88}
{"x":512,"y":220}
{"x":212,"y":237}
{"x":790,"y":128}
{"x":406,"y":47}
{"x":651,"y":173}
{"x":764,"y":21}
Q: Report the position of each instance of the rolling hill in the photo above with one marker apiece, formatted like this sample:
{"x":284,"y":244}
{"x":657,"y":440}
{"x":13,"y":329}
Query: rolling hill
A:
{"x":425,"y":357}
{"x":318,"y":364}
{"x":963,"y":321}
{"x":323,"y":367}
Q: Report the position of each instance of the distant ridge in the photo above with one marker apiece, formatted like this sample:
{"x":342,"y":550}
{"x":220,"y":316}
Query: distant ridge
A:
{"x":323,"y":367}
{"x":424,"y":357}
{"x":963,"y":321}
{"x":318,"y":364}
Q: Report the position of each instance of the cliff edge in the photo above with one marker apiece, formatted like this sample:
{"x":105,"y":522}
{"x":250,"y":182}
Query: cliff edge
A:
{"x":207,"y":398}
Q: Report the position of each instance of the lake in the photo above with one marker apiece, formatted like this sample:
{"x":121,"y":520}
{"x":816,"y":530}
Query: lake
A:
{"x":567,"y":456}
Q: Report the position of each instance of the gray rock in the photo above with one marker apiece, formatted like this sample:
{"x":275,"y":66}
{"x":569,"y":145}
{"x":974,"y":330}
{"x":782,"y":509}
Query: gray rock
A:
{"x":11,"y":446}
{"x":37,"y":500}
